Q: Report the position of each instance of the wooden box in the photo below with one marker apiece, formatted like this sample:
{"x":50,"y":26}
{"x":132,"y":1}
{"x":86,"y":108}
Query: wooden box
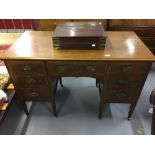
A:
{"x":79,"y":35}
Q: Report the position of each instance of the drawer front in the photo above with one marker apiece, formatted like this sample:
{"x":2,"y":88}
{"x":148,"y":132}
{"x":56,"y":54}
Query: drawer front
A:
{"x":121,"y":95}
{"x":34,"y":94}
{"x":30,"y":81}
{"x":75,"y":68}
{"x":89,"y":68}
{"x":26,"y":68}
{"x":63,"y":68}
{"x":129,"y":68}
{"x":125,"y":81}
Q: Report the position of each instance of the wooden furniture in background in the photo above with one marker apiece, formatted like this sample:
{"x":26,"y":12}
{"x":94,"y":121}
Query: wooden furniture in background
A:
{"x":122,"y":67}
{"x":144,"y":28}
{"x":50,"y":24}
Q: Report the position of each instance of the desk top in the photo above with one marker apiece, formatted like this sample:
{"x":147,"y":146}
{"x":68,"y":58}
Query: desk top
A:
{"x":8,"y":38}
{"x":37,"y":45}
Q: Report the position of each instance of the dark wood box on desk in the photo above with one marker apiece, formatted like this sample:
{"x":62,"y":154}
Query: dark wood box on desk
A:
{"x":122,"y":67}
{"x":79,"y":35}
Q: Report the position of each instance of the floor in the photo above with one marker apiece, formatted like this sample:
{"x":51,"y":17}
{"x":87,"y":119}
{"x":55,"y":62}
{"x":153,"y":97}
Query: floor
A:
{"x":78,"y":115}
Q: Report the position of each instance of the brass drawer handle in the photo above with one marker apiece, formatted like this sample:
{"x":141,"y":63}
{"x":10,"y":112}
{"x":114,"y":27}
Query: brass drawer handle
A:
{"x":127,"y":68}
{"x":123,"y":82}
{"x":121,"y":95}
{"x":34,"y":94}
{"x":61,"y":69}
{"x":27,"y":68}
{"x":91,"y":68}
{"x":31,"y":81}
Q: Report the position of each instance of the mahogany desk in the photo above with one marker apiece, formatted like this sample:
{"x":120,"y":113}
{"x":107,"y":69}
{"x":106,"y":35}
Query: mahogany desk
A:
{"x":122,"y":67}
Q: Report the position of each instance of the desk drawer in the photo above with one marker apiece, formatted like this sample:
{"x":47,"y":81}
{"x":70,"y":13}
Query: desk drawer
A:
{"x":63,"y":68}
{"x":26,"y":68}
{"x":121,"y":95}
{"x":75,"y":68}
{"x":129,"y":68}
{"x":30,"y":81}
{"x":125,"y":81}
{"x":34,"y":94}
{"x":93,"y":68}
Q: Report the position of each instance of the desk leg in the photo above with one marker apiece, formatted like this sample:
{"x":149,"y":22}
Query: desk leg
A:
{"x":53,"y":105}
{"x":100,"y":111}
{"x":21,"y":102}
{"x":53,"y":92}
{"x":25,"y":108}
{"x":132,"y":107}
{"x":153,"y":122}
{"x":60,"y":79}
{"x":102,"y":104}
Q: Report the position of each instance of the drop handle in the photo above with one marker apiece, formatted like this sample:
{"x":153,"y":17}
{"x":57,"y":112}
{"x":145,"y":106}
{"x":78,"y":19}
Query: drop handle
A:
{"x":31,"y":81}
{"x":121,"y":95}
{"x":34,"y":94}
{"x":27,"y":68}
{"x":91,"y":68}
{"x":126,"y":69}
{"x":123,"y":81}
{"x":61,"y":69}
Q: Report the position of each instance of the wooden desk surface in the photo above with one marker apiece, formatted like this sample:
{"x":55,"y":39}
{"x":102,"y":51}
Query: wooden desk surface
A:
{"x":37,"y":45}
{"x":9,"y":38}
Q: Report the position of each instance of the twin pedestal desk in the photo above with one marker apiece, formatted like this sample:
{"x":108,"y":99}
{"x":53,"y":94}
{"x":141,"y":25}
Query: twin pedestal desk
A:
{"x":122,"y":67}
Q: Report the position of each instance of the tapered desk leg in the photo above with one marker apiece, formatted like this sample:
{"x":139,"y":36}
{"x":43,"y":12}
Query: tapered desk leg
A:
{"x":60,"y":79}
{"x":153,"y":122}
{"x":100,"y":111}
{"x":132,"y":107}
{"x":152,"y":102}
{"x":101,"y":102}
{"x":53,"y":105}
{"x":96,"y":83}
{"x":53,"y":93}
{"x":25,"y":108}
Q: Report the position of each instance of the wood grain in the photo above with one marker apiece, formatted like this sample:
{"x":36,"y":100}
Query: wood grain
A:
{"x":120,"y":46}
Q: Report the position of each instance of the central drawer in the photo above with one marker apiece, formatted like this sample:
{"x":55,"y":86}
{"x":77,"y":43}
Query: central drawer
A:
{"x":75,"y":68}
